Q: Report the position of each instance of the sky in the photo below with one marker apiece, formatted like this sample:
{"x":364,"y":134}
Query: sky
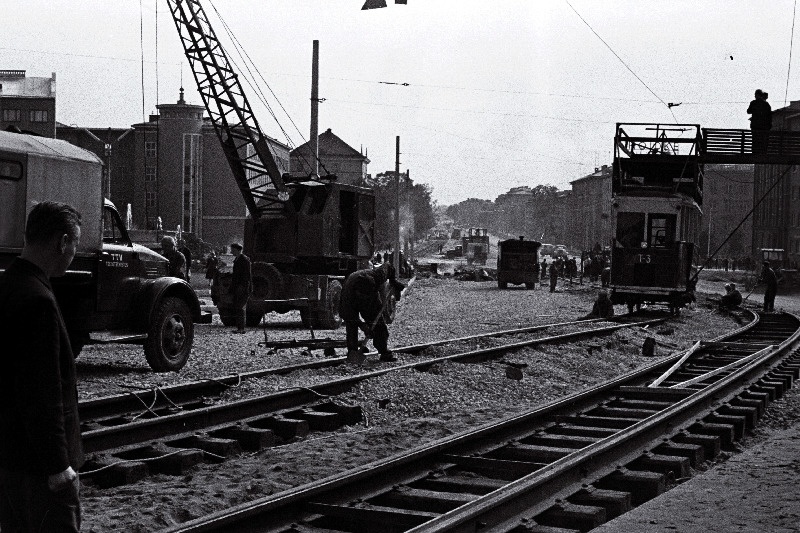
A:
{"x":485,"y":95}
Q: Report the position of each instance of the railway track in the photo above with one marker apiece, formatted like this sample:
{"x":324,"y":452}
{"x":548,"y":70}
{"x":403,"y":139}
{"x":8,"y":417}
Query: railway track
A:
{"x":568,"y":466}
{"x":187,"y":429}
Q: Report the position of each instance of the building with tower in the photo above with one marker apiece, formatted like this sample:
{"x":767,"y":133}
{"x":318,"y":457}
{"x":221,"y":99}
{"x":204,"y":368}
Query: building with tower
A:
{"x":172,"y":169}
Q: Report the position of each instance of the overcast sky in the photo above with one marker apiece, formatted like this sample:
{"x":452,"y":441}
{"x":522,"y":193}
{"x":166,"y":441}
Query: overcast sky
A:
{"x":501,"y":93}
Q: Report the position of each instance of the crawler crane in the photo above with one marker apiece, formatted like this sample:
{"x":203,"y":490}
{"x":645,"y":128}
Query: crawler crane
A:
{"x":304,"y":234}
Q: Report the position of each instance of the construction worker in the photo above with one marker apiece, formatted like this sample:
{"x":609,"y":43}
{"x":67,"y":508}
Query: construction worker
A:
{"x":732,"y":297}
{"x":553,"y":276}
{"x":241,"y":285}
{"x":771,"y":280}
{"x":602,"y":308}
{"x":362,"y":299}
{"x":177,"y":261}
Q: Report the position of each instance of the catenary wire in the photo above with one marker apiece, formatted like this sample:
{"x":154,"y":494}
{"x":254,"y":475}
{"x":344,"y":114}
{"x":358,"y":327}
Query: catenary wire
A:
{"x":620,"y":59}
{"x":789,"y":68}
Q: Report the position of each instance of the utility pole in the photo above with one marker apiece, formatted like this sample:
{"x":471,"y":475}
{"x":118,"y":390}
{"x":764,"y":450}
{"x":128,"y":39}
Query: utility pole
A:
{"x":409,"y":243}
{"x":315,"y":109}
{"x":396,"y":260}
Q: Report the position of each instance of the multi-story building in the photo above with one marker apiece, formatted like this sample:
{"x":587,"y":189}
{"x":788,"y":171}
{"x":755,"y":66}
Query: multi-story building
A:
{"x":335,"y":157}
{"x":171,"y":169}
{"x":514,"y":210}
{"x":590,"y":221}
{"x":28,"y":104}
{"x":727,"y":201}
{"x":776,"y":218}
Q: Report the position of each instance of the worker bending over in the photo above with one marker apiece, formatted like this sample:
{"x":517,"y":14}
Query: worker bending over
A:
{"x":362,"y":298}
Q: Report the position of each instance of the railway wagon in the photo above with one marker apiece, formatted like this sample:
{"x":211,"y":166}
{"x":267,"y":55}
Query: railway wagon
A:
{"x":657,"y":194}
{"x":651,"y":257}
{"x":518,"y":263}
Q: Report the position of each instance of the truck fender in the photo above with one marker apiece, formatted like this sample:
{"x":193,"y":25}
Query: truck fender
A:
{"x":154,"y":290}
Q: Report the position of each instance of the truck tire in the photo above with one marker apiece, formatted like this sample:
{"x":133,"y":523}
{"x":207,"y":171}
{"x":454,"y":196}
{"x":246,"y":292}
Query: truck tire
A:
{"x":169,"y":339}
{"x":325,"y":314}
{"x":267,"y":285}
{"x":502,"y":284}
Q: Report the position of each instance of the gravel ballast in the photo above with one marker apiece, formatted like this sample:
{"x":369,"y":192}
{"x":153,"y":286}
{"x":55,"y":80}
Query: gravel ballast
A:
{"x":401,"y":409}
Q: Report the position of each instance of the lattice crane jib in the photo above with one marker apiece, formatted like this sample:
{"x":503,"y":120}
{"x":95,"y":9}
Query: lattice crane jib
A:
{"x":254,"y":167}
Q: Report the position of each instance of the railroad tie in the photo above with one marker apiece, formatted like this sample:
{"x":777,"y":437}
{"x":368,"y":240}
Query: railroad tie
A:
{"x":495,"y":468}
{"x":642,"y":485}
{"x":712,"y":444}
{"x":694,"y":452}
{"x":570,"y":515}
{"x":749,"y":413}
{"x":724,"y":431}
{"x":251,"y":439}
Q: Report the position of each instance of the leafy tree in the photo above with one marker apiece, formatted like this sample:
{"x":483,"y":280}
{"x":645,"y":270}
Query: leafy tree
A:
{"x":416,"y":207}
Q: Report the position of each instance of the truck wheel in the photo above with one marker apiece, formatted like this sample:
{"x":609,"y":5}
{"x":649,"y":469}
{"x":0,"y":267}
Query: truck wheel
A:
{"x":267,"y":285}
{"x":169,"y":340}
{"x":267,"y":282}
{"x":325,"y":315}
{"x":530,"y":286}
{"x":502,"y":284}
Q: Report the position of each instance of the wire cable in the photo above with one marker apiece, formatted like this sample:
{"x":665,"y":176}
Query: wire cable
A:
{"x":791,"y":45}
{"x":247,"y":61}
{"x":734,"y":230}
{"x":620,"y":59}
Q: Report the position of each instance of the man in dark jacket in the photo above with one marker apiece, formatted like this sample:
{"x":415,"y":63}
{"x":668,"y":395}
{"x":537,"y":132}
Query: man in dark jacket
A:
{"x":177,"y":261}
{"x":732,"y":297}
{"x":40,"y":440}
{"x":771,"y":280}
{"x":760,"y":121}
{"x":553,"y":276}
{"x":362,"y":295}
{"x":241,"y":285}
{"x":602,"y":308}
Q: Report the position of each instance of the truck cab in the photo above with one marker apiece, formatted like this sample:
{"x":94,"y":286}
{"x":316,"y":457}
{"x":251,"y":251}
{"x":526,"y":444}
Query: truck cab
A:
{"x":114,"y":290}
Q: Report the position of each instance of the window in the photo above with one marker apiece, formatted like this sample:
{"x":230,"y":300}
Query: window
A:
{"x":38,"y":115}
{"x":149,"y":148}
{"x":111,"y":230}
{"x":150,"y":199}
{"x":10,"y":170}
{"x":12,"y":115}
{"x":149,"y":174}
{"x":630,"y":229}
{"x":661,"y":231}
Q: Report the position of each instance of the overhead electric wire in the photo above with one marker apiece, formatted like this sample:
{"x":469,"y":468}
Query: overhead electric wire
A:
{"x":622,"y":61}
{"x":259,"y":94}
{"x":517,"y":149}
{"x":791,"y":46}
{"x":734,"y":230}
{"x":563,"y":119}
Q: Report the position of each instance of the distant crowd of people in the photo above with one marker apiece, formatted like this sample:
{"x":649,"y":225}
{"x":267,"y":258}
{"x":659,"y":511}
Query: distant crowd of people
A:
{"x":731,"y":263}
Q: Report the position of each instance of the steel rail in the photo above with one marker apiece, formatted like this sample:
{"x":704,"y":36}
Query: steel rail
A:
{"x":183,"y":393}
{"x":561,"y":478}
{"x":504,"y":506}
{"x":105,"y":438}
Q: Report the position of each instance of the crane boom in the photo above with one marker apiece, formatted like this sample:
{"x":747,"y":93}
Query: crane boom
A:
{"x":250,"y":157}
